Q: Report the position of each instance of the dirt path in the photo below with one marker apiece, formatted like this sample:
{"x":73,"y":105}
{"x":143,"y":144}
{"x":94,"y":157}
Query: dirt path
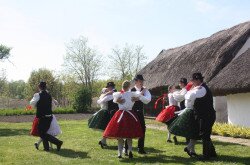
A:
{"x":29,"y":118}
{"x":240,"y":141}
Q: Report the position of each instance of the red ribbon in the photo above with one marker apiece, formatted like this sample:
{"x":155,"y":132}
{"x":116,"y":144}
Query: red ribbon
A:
{"x":122,"y":91}
{"x":163,"y":101}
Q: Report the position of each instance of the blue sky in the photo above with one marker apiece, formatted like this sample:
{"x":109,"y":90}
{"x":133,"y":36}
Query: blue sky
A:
{"x":39,"y":30}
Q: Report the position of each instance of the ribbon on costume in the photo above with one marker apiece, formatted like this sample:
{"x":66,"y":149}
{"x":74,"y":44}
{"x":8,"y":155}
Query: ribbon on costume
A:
{"x":160,"y":98}
{"x":129,"y":113}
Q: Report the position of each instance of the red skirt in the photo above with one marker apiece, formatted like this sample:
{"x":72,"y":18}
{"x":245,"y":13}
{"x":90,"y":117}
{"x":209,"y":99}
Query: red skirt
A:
{"x":34,"y":129}
{"x":167,"y":114}
{"x":126,"y":126}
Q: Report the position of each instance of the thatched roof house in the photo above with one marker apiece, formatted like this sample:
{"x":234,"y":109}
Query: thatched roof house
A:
{"x":234,"y":82}
{"x":234,"y":78}
{"x":222,"y":58}
{"x":208,"y":56}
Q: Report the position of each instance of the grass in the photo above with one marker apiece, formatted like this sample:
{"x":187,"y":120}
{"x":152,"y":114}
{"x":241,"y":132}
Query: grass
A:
{"x":80,"y":147}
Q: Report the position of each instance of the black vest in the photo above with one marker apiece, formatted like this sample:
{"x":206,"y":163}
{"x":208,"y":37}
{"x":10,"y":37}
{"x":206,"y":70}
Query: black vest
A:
{"x":182,"y":105}
{"x":138,"y":104}
{"x":112,"y":106}
{"x":44,"y":104}
{"x":203,"y":106}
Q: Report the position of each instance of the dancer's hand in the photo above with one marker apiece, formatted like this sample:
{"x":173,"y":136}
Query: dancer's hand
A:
{"x":133,"y":99}
{"x":143,"y":91}
{"x":120,"y":100}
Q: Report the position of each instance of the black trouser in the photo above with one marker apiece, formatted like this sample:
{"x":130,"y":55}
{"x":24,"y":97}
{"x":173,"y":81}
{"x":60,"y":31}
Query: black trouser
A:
{"x":141,"y":140}
{"x":43,"y":126}
{"x":205,"y":124}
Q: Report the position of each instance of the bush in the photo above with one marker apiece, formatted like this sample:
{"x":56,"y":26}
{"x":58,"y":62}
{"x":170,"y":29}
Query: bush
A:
{"x":83,"y":100}
{"x":224,"y":129}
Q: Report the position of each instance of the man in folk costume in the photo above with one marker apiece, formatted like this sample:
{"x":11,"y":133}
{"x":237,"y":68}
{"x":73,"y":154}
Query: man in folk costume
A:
{"x":138,"y":108}
{"x":43,"y":103}
{"x":205,"y":114}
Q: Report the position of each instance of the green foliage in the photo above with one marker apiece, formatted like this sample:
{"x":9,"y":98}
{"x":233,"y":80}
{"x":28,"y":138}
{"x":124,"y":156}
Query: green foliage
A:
{"x":16,"y":89}
{"x":224,"y":129}
{"x":4,"y":52}
{"x":13,"y":112}
{"x":53,"y":84}
{"x":83,"y":100}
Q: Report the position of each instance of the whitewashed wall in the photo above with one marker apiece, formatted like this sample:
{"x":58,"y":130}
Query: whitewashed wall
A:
{"x":220,"y":106}
{"x":239,"y":109}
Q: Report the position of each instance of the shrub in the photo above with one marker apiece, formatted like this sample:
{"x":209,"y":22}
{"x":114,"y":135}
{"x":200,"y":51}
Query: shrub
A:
{"x":224,"y":129}
{"x":82,"y":100}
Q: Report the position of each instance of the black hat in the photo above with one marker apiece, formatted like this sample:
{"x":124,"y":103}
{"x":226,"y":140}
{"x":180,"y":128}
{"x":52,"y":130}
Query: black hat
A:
{"x":139,"y":77}
{"x":183,"y":80}
{"x":197,"y":76}
{"x":42,"y":85}
{"x":110,"y":84}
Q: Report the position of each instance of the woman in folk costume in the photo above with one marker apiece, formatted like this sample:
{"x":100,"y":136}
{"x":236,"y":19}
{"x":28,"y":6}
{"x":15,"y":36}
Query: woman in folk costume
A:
{"x":100,"y":119}
{"x":180,"y":95}
{"x":125,"y":123}
{"x":54,"y":129}
{"x":185,"y":124}
{"x":169,"y":112}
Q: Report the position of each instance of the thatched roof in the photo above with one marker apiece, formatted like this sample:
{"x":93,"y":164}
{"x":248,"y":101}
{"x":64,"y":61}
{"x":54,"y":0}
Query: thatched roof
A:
{"x":208,"y":56}
{"x":234,"y":78}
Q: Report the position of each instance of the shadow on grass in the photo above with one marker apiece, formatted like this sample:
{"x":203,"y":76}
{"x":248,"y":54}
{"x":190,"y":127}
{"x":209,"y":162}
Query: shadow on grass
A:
{"x":13,"y":132}
{"x":69,"y":153}
{"x":184,"y":160}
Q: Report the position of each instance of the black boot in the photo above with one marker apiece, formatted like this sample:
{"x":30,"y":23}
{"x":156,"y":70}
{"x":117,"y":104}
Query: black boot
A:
{"x":126,"y":148}
{"x":212,"y":150}
{"x":206,"y":152}
{"x":130,"y":155}
{"x":45,"y":145}
{"x":175,"y":140}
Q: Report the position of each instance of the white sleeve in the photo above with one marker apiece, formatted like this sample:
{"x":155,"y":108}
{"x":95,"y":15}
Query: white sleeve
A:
{"x":180,"y":95}
{"x":200,"y":92}
{"x":116,"y":96}
{"x":54,"y":104}
{"x":105,"y":99}
{"x":146,"y":98}
{"x":135,"y":94}
{"x":34,"y":100}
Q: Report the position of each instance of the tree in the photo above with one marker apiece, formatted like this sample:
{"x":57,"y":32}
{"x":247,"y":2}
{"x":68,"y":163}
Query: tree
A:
{"x":54,"y":86}
{"x":83,"y":100}
{"x":16,"y":89}
{"x":4,"y":52}
{"x":82,"y":61}
{"x":3,"y":83}
{"x":127,"y":61}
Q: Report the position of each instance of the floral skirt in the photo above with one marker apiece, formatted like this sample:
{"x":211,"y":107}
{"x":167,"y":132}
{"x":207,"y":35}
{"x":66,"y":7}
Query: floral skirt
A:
{"x":185,"y":125}
{"x":124,"y":124}
{"x":99,"y":120}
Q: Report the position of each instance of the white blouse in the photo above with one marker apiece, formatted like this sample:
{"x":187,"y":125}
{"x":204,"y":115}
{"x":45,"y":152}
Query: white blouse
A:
{"x":191,"y":95}
{"x":147,"y":96}
{"x":180,"y":95}
{"x":171,"y":100}
{"x":127,"y":96}
{"x":103,"y":101}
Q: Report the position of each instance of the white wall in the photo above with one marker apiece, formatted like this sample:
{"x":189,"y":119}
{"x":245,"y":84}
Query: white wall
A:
{"x":220,"y":106}
{"x":239,"y":109}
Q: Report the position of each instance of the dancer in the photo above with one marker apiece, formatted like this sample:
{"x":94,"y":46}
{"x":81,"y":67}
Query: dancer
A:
{"x":100,"y":119}
{"x":43,"y":103}
{"x":125,"y":123}
{"x":169,"y":112}
{"x":138,"y":108}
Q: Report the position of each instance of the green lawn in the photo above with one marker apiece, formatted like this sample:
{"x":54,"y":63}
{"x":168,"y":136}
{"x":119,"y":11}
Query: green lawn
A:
{"x":80,"y":147}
